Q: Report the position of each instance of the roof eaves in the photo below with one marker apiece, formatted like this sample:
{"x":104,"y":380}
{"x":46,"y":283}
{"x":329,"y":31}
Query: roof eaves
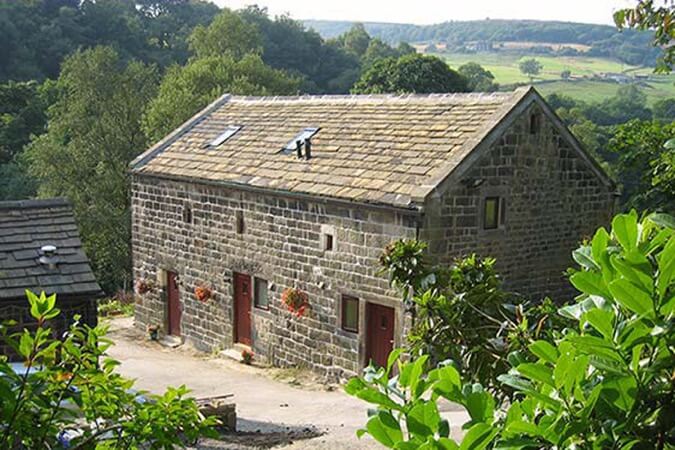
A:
{"x":145,"y":157}
{"x":423,"y":191}
{"x":35,"y":203}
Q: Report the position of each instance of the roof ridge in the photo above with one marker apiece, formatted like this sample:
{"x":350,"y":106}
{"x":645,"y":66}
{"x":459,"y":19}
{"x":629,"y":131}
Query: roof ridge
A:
{"x":34,"y":203}
{"x":375,"y":97}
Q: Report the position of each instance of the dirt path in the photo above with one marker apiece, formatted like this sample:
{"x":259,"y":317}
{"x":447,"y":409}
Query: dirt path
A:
{"x":264,"y":405}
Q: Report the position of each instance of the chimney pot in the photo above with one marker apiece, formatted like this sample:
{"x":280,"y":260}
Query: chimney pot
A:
{"x":308,"y":148}
{"x":298,"y":148}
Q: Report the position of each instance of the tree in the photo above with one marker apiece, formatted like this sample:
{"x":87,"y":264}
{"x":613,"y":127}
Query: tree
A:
{"x":566,"y":74}
{"x":186,"y":90}
{"x":660,"y":18}
{"x":644,"y":163}
{"x":228,"y":34}
{"x":530,"y":67}
{"x":411,"y":73}
{"x":68,"y":395}
{"x":479,"y":79}
{"x":356,"y":40}
{"x":94,"y":132}
{"x":664,"y":109}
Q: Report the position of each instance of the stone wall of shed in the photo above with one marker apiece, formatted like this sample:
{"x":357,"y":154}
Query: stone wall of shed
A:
{"x":280,"y":243}
{"x":553,"y":200}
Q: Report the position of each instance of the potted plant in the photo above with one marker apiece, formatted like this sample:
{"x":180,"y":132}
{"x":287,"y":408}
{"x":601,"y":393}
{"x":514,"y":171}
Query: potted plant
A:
{"x":203,"y":293}
{"x":143,"y":286}
{"x":153,"y":332}
{"x":295,"y":300}
{"x":247,"y":357}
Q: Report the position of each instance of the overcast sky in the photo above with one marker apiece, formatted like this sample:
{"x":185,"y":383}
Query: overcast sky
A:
{"x":434,"y":11}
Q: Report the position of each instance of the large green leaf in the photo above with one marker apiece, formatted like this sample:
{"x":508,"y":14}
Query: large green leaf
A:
{"x":385,"y":429}
{"x":376,"y":397}
{"x":478,"y":437}
{"x":545,"y":351}
{"x":620,"y":392}
{"x":479,"y":404}
{"x":602,"y":320}
{"x":625,"y":229}
{"x":591,"y":283}
{"x":537,"y":372}
{"x":664,"y":220}
{"x":584,"y":258}
{"x":423,"y":419}
{"x":666,"y":267}
{"x":632,"y":297}
{"x":633,"y":272}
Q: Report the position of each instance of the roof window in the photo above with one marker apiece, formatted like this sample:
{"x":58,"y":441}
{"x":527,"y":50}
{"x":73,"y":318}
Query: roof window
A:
{"x":228,"y":133}
{"x":301,"y":137}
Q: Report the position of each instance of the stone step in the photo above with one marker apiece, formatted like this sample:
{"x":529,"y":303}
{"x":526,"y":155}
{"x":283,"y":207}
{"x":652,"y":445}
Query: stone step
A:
{"x":234,"y":352}
{"x":171,"y":341}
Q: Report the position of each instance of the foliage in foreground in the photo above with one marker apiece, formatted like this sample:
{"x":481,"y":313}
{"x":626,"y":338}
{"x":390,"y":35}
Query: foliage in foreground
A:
{"x":68,"y":394}
{"x":607,"y":384}
{"x":461,"y":313}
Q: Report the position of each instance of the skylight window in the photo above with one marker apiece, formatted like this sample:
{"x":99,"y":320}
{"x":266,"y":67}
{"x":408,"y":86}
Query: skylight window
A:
{"x":228,"y":133}
{"x":307,"y":133}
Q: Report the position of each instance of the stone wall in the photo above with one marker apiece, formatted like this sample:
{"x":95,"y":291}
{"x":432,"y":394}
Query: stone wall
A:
{"x":552,"y":197}
{"x":190,"y":229}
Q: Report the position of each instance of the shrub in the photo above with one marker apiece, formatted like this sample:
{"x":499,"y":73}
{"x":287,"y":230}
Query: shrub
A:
{"x":68,"y":394}
{"x":606,"y":384}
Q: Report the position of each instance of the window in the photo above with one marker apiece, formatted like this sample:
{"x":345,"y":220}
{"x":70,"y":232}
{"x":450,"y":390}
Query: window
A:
{"x":491,"y":213}
{"x":228,"y":133}
{"x":187,"y":214}
{"x":307,"y":133}
{"x":239,"y":218}
{"x":350,"y":314}
{"x":535,"y":123}
{"x":328,"y":242}
{"x":260,"y":299}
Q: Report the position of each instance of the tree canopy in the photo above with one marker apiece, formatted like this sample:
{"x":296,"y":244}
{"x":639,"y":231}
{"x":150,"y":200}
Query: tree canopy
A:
{"x":94,"y":132}
{"x":478,"y":78}
{"x":411,"y":73}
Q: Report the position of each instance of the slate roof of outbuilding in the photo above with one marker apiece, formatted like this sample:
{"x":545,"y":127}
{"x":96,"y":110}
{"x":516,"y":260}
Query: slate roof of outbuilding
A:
{"x":26,"y":226}
{"x":385,"y":149}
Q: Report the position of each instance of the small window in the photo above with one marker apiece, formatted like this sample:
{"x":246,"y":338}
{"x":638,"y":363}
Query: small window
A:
{"x":228,"y":133}
{"x":261,"y":299}
{"x":350,"y":314}
{"x":239,"y":217}
{"x":535,"y":123}
{"x":328,"y":242}
{"x":187,"y":214}
{"x":307,"y":133}
{"x":491,"y":214}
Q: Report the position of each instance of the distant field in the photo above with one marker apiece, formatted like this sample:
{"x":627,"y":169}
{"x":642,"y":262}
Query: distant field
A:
{"x":505,"y":67}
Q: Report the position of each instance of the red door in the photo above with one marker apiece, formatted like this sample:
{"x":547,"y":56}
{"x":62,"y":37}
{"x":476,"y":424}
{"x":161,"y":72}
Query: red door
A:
{"x":173,"y":304}
{"x":242,"y":308}
{"x":380,"y":333}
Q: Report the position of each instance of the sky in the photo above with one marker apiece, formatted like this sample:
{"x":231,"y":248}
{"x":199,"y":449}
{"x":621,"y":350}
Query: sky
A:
{"x":434,"y":11}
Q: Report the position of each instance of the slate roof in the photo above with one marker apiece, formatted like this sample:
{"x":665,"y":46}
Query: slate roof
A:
{"x":386,"y":149}
{"x":25,"y":226}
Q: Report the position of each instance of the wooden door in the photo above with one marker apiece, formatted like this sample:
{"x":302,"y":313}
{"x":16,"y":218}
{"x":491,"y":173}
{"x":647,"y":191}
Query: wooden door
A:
{"x":242,"y":308}
{"x":173,"y":304}
{"x":379,"y":333}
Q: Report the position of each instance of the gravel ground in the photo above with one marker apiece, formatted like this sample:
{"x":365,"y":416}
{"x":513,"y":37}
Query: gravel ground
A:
{"x":275,"y":408}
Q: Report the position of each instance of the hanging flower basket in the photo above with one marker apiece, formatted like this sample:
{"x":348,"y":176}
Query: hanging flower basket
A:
{"x":144,"y":286}
{"x":203,"y":293}
{"x":296,"y":301}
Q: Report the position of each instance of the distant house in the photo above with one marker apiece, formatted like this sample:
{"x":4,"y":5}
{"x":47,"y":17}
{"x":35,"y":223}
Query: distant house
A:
{"x":40,"y":250}
{"x":254,"y":195}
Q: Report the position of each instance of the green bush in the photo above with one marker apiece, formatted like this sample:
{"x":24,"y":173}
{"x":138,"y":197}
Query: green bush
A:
{"x":607,"y":384}
{"x":70,"y":386}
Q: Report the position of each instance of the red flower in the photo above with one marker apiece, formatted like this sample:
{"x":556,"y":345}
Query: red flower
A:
{"x":296,"y":301}
{"x":202,"y":293}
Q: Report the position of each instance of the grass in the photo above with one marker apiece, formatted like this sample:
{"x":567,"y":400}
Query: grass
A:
{"x":505,"y":67}
{"x":112,"y":307}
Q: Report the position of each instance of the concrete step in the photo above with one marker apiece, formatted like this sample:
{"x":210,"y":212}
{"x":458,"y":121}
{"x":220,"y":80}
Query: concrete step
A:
{"x":171,"y":341}
{"x":234,"y":352}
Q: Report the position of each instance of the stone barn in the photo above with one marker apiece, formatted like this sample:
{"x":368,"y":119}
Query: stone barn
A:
{"x":40,"y":250}
{"x":256,"y":195}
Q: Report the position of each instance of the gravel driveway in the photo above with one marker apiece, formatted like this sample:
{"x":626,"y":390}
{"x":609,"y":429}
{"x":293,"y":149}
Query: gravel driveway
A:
{"x":265,"y":406}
